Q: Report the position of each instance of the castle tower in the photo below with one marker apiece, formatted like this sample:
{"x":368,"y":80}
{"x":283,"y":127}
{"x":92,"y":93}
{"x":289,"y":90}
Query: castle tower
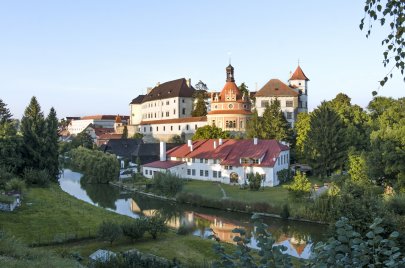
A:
{"x":299,"y":81}
{"x":117,"y":123}
{"x":230,"y":109}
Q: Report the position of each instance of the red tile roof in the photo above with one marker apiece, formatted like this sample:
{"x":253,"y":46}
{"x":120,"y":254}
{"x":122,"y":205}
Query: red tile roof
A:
{"x":231,"y":151}
{"x":230,"y":86}
{"x":299,"y":75}
{"x":163,"y":164}
{"x":176,"y":120}
{"x":276,"y":88}
{"x":100,"y":131}
{"x":110,"y":136}
{"x":230,"y":112}
{"x":104,"y":117}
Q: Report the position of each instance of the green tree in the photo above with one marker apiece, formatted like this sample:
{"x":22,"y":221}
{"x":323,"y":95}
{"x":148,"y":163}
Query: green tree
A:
{"x":325,"y":149}
{"x":167,"y":183}
{"x":378,"y":105}
{"x":135,"y":229}
{"x":300,"y":186}
{"x":10,"y":148}
{"x":275,"y":126}
{"x":200,"y":107}
{"x":137,"y":136}
{"x":210,"y":132}
{"x":255,"y":181}
{"x":392,"y":12}
{"x":176,"y":139}
{"x":358,"y":168}
{"x":243,"y":88}
{"x":156,"y":225}
{"x":109,"y":231}
{"x":33,"y":130}
{"x":5,"y":115}
{"x":83,"y":139}
{"x":125,"y":133}
{"x":254,"y":127}
{"x":51,"y":144}
{"x":301,"y":129}
{"x":138,"y":164}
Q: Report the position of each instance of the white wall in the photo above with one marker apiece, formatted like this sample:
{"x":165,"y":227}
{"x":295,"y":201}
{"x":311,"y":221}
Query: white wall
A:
{"x":77,"y":126}
{"x":136,"y":114}
{"x":169,"y":108}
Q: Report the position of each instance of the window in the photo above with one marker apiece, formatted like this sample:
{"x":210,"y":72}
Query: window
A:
{"x":188,"y":172}
{"x":164,"y":128}
{"x":193,"y":160}
{"x":206,"y":161}
{"x":150,"y":129}
{"x":146,"y":171}
{"x":219,"y":174}
{"x":245,"y":161}
{"x":167,"y":102}
{"x":201,"y":160}
{"x":201,"y":172}
{"x":264,"y":103}
{"x":213,"y":122}
{"x":179,"y":127}
{"x":183,"y":111}
{"x":206,"y":173}
{"x":289,"y":115}
{"x":195,"y":127}
{"x":230,"y":124}
{"x":255,"y":161}
{"x":174,"y":111}
{"x":186,"y":127}
{"x":214,"y":174}
{"x":157,"y":128}
{"x":241,"y":124}
{"x":228,"y":167}
{"x":162,"y":114}
{"x":182,"y":100}
{"x":174,"y":101}
{"x":215,"y":161}
{"x":289,"y":103}
{"x":193,"y":172}
{"x":171,"y":128}
{"x":144,"y":129}
{"x":167,"y":114}
{"x":230,"y":106}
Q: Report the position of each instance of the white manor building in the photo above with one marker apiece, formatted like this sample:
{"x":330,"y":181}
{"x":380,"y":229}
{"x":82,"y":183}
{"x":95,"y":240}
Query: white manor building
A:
{"x":223,"y":160}
{"x":96,"y":121}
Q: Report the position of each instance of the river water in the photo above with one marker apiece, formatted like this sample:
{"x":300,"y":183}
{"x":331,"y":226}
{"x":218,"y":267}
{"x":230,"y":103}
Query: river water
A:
{"x":298,"y":237}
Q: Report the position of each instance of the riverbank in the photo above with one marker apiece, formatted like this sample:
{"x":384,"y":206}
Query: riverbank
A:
{"x":51,"y":216}
{"x":267,"y":201}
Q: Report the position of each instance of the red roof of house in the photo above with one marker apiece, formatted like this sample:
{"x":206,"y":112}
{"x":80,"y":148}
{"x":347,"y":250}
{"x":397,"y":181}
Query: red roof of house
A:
{"x":163,"y":164}
{"x":230,"y":86}
{"x":176,"y":120}
{"x":231,"y":151}
{"x":100,"y":130}
{"x":299,"y":75}
{"x":276,"y":88}
{"x":110,"y":136}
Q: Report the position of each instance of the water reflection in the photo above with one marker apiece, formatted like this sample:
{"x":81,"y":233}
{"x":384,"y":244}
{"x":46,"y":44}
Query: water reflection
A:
{"x":298,"y":237}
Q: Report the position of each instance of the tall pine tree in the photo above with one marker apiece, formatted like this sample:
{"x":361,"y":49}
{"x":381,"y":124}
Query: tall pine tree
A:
{"x":254,"y":127}
{"x":275,"y":126}
{"x":200,"y":108}
{"x":51,"y":144}
{"x":5,"y":115}
{"x":326,"y":148}
{"x":33,"y":129}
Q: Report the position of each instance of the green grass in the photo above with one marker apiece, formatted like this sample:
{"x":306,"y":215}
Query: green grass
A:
{"x":203,"y":188}
{"x":6,"y":199}
{"x":49,"y":214}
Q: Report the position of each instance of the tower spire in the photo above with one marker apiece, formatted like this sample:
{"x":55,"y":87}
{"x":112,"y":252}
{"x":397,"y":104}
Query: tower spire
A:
{"x":229,"y":74}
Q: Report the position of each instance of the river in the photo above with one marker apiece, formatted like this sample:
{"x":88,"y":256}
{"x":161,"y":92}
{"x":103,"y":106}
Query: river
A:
{"x":298,"y":237}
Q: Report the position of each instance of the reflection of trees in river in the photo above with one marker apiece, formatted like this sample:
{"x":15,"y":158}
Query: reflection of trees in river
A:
{"x":102,"y":194}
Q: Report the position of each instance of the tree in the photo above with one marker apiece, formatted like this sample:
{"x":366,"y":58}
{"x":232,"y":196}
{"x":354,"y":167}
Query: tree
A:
{"x":156,"y":225}
{"x":274,"y":124}
{"x":255,"y":181}
{"x":109,"y":231}
{"x":200,"y":107}
{"x":201,"y":86}
{"x":301,"y":127}
{"x":358,"y":169}
{"x":176,"y":139}
{"x":33,"y":129}
{"x":125,"y":133}
{"x":378,"y":105}
{"x":10,"y":148}
{"x":83,"y":139}
{"x":394,"y":44}
{"x":300,"y":186}
{"x":5,"y":115}
{"x":167,"y":183}
{"x":51,"y":144}
{"x":137,"y":136}
{"x":210,"y":132}
{"x":135,"y":229}
{"x":138,"y":164}
{"x":243,"y":88}
{"x":325,"y":148}
{"x":254,"y":127}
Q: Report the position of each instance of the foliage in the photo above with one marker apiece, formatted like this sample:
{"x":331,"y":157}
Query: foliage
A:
{"x":396,"y":204}
{"x":378,"y":105}
{"x":83,"y":139}
{"x":243,"y":88}
{"x":138,"y":164}
{"x":301,"y":128}
{"x":348,"y":248}
{"x":156,"y":225}
{"x":394,"y":44}
{"x":326,"y":148}
{"x":301,"y":186}
{"x":109,"y":231}
{"x":176,"y":139}
{"x":254,"y":127}
{"x":51,"y":144}
{"x":5,"y":175}
{"x":167,"y":183}
{"x":200,"y":107}
{"x":135,"y":229}
{"x":269,"y":255}
{"x":137,"y":136}
{"x":210,"y":132}
{"x":274,"y":124}
{"x":285,"y":213}
{"x":11,"y":148}
{"x":284,"y":175}
{"x":255,"y":181}
{"x":36,"y":177}
{"x":358,"y":169}
{"x":125,"y":133}
{"x":15,"y":184}
{"x":97,"y":166}
{"x":5,"y":115}
{"x":185,"y":229}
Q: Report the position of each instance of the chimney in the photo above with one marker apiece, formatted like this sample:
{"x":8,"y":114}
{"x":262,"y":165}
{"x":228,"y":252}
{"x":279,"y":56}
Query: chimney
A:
{"x":162,"y":151}
{"x":220,"y":142}
{"x":188,"y":81}
{"x":189,"y":143}
{"x":255,"y":141}
{"x":215,"y":145}
{"x":191,"y":148}
{"x":158,"y":84}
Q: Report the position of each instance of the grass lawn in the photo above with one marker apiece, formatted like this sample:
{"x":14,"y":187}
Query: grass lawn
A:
{"x":204,"y":188}
{"x":49,"y":214}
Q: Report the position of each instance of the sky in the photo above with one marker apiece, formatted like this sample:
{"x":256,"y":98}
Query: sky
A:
{"x":93,"y":57}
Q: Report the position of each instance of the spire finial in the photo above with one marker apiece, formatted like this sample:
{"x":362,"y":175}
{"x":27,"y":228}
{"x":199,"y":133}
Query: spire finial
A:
{"x":229,"y":57}
{"x":298,"y":61}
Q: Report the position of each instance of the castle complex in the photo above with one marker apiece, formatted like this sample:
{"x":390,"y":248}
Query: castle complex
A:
{"x":165,"y":111}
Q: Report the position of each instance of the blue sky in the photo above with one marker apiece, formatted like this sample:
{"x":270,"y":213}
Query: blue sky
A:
{"x":93,"y":57}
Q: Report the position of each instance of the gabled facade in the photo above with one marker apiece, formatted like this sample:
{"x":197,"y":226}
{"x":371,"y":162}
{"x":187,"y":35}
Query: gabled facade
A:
{"x":227,"y":161}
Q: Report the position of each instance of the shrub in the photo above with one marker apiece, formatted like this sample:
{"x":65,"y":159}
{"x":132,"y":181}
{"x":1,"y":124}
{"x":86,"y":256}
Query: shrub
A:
{"x":301,"y":186}
{"x":284,"y":175}
{"x":285,"y":213}
{"x":36,"y":177}
{"x":255,"y":181}
{"x":156,"y":225}
{"x":167,"y":183}
{"x":109,"y":231}
{"x":397,"y":204}
{"x":15,"y":184}
{"x":5,"y":176}
{"x":135,"y":229}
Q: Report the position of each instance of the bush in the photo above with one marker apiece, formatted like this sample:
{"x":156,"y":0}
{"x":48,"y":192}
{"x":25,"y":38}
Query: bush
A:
{"x":397,"y":204}
{"x":15,"y":184}
{"x":301,"y":186}
{"x":5,"y":176}
{"x":109,"y":231}
{"x":285,"y":213}
{"x":156,"y":225}
{"x":36,"y":177}
{"x":135,"y":229}
{"x":167,"y":183}
{"x":255,"y":181}
{"x":184,"y":230}
{"x":284,"y":175}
